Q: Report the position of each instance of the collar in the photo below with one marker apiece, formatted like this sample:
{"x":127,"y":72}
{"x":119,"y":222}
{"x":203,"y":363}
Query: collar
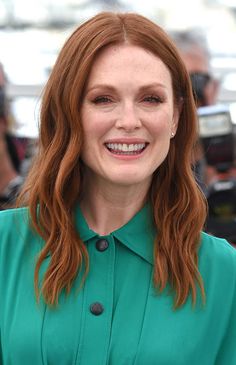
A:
{"x":137,"y":235}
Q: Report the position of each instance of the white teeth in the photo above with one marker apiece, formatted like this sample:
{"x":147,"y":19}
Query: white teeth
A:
{"x":124,"y":147}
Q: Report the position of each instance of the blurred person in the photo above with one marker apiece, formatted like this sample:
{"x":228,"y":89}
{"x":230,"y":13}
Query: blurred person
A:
{"x":195,"y":53}
{"x":106,"y":261}
{"x":10,"y":179}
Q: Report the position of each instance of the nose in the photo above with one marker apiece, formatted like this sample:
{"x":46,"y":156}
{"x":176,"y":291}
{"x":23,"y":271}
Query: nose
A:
{"x":128,"y":118}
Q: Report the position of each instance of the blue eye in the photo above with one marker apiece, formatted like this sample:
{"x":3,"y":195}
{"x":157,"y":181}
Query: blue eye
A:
{"x":152,"y":99}
{"x":101,"y":100}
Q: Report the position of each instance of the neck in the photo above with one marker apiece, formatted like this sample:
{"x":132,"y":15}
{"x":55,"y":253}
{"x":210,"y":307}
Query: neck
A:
{"x":107,"y":207}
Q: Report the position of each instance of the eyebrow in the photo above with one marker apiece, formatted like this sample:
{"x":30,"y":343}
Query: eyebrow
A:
{"x":152,"y":85}
{"x":112,"y":88}
{"x":101,"y":86}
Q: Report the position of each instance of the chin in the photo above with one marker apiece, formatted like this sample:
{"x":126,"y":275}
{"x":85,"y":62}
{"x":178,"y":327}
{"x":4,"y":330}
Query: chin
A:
{"x":128,"y":179}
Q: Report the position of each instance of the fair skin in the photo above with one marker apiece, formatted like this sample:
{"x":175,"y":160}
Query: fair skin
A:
{"x":129,"y":118}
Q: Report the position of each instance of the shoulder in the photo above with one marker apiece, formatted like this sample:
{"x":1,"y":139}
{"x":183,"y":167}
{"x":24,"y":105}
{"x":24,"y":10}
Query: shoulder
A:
{"x":12,"y":219}
{"x":217,"y":248}
{"x":8,"y":214}
{"x":15,"y":230}
{"x":217,"y":260}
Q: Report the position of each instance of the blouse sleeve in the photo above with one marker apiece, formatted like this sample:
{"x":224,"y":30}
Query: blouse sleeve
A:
{"x":227,"y":353}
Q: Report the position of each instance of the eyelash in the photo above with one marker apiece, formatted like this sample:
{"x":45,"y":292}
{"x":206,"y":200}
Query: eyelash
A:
{"x":152,"y":99}
{"x":102,"y":100}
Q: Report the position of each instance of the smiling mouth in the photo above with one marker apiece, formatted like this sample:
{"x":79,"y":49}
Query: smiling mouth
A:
{"x":125,"y":148}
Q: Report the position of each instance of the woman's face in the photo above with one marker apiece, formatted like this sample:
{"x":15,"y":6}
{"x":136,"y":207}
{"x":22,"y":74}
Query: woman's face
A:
{"x":128,"y":116}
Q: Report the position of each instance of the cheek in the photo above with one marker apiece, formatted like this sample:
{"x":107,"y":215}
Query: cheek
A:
{"x":94,"y":126}
{"x":160,"y":127}
{"x":93,"y":137}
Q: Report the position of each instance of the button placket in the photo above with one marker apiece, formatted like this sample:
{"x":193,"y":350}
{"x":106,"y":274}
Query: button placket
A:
{"x":96,"y":308}
{"x":102,"y":244}
{"x":98,"y":301}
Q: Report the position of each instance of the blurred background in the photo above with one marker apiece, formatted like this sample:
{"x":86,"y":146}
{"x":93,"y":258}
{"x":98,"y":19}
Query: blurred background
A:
{"x":33,"y":31}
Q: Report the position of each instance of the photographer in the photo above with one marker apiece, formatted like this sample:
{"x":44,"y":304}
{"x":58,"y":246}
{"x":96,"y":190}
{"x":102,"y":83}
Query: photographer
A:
{"x":193,"y":48}
{"x":214,"y":153}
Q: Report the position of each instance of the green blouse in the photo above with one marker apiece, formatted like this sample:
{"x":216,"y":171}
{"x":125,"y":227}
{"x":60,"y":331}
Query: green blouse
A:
{"x":117,"y":318}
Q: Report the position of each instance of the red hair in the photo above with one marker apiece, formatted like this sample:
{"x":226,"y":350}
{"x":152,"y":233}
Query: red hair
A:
{"x":55,"y":181}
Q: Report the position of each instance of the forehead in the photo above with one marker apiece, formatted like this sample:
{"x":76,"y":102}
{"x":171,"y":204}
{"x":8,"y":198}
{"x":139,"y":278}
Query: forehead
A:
{"x":117,"y":62}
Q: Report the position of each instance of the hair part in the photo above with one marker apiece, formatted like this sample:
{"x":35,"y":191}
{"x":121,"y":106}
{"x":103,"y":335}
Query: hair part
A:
{"x":55,"y":182}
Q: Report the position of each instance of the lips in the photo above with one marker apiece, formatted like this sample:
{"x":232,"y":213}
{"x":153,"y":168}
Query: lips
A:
{"x":126,"y":148}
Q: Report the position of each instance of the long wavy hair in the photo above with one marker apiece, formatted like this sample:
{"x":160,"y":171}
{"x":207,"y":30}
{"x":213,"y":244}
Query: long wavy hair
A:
{"x":54,"y":183}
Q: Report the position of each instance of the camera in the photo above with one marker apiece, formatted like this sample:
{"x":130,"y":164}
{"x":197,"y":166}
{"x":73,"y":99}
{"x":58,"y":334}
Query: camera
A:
{"x":199,"y":81}
{"x":217,"y":137}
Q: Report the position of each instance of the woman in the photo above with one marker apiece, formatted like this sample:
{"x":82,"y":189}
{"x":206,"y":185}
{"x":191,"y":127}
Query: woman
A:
{"x":112,"y":228}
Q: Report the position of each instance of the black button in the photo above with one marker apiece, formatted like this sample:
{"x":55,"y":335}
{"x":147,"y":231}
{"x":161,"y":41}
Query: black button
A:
{"x":96,"y":308}
{"x":102,"y":244}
